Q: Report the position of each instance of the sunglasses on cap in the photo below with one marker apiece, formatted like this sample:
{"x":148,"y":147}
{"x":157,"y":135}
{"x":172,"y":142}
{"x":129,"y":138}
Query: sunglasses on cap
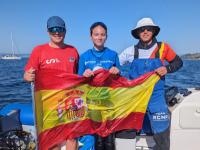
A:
{"x":56,"y":29}
{"x":148,"y":28}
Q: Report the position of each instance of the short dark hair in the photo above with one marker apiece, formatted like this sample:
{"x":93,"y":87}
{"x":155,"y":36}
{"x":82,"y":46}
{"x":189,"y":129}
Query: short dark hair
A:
{"x":98,"y":24}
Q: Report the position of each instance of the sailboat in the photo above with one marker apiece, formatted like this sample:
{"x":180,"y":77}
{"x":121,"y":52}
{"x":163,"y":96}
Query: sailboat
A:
{"x":11,"y":56}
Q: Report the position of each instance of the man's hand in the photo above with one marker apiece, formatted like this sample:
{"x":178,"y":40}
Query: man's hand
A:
{"x":161,"y":71}
{"x":88,"y":73}
{"x":29,"y":75}
{"x":114,"y":70}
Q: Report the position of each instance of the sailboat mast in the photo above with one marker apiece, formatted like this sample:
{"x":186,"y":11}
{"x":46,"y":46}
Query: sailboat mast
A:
{"x":12,"y":56}
{"x":12,"y":43}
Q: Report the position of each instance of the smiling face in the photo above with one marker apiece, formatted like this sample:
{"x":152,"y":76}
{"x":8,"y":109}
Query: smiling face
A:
{"x":57,"y":37}
{"x":146,"y":34}
{"x":98,"y":36}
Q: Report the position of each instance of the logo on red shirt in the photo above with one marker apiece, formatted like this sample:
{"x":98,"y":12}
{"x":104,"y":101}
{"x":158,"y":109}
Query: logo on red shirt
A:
{"x":71,"y":59}
{"x":52,"y":61}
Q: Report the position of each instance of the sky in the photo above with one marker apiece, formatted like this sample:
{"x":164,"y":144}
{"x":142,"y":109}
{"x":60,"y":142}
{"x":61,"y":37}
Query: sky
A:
{"x":179,"y":21}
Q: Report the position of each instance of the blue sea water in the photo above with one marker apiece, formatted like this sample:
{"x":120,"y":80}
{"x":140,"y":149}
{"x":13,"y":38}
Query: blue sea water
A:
{"x":14,"y":89}
{"x":12,"y":86}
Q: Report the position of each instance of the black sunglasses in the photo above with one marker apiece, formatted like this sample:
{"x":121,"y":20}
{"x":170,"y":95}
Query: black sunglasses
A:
{"x":56,"y":29}
{"x":148,"y":28}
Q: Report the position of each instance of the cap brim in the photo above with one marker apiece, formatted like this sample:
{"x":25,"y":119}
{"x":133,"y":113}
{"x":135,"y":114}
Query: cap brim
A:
{"x":48,"y":27}
{"x":134,"y":32}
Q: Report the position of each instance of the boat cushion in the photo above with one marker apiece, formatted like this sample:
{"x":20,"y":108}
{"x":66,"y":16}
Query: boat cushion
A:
{"x":10,"y":122}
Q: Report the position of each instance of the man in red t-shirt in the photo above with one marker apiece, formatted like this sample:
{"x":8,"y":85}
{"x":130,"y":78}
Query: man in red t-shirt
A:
{"x":53,"y":55}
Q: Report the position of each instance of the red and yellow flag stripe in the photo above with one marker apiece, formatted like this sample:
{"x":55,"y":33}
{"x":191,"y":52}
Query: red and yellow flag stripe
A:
{"x":69,"y":106}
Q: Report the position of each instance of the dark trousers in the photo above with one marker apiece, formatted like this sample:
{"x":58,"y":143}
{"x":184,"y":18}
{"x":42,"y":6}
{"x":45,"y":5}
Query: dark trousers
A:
{"x":105,"y":143}
{"x":162,"y":140}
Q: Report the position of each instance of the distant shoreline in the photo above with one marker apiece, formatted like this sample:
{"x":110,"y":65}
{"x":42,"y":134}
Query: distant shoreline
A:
{"x":194,"y":56}
{"x":191,"y":59}
{"x":189,"y":56}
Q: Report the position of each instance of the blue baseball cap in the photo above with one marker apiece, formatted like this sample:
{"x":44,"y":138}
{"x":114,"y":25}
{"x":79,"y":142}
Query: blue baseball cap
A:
{"x":55,"y":21}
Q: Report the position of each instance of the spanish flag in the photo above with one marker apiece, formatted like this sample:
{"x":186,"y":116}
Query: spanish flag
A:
{"x":69,"y":106}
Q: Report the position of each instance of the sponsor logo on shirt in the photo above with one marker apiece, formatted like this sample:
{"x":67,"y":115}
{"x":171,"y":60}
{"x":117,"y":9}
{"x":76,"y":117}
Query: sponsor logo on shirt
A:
{"x":71,"y":59}
{"x":162,"y":116}
{"x":90,"y":62}
{"x":102,"y":62}
{"x":52,"y":61}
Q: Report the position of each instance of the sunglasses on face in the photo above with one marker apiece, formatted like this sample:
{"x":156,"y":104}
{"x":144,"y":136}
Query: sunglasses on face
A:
{"x":56,"y":29}
{"x":148,"y":28}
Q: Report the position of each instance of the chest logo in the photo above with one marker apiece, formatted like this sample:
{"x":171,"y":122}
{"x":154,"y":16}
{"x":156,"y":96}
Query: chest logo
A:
{"x":71,"y":59}
{"x":52,"y":61}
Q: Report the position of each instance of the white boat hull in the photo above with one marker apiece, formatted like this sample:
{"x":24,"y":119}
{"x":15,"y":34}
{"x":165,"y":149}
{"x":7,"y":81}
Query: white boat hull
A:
{"x":11,"y":57}
{"x":185,"y":123}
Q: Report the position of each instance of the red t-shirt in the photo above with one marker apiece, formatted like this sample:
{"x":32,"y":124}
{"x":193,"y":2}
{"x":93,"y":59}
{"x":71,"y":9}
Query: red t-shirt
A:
{"x":46,"y":57}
